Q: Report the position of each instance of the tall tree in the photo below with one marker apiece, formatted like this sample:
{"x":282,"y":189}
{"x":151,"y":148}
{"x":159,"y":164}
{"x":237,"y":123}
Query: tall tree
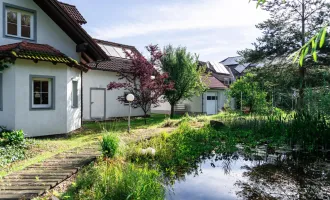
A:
{"x":143,"y":80}
{"x":183,"y":70}
{"x":291,"y":24}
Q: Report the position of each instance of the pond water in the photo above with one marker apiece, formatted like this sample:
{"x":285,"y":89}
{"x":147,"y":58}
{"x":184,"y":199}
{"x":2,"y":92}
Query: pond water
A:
{"x":258,"y":175}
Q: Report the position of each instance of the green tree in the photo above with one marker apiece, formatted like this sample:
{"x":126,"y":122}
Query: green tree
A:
{"x":249,"y":93}
{"x":183,"y":70}
{"x":291,"y":24}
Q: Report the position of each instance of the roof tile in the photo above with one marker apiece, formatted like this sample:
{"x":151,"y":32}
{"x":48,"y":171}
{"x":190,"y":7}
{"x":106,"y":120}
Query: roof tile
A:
{"x":43,"y":52}
{"x":73,"y":12}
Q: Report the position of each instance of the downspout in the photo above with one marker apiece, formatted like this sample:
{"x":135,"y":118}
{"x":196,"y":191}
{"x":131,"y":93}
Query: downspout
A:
{"x":81,"y":96}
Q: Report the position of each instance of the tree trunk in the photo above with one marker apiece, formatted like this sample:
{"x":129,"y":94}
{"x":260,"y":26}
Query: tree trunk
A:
{"x":172,"y":110}
{"x":145,"y":118}
{"x":302,"y":69}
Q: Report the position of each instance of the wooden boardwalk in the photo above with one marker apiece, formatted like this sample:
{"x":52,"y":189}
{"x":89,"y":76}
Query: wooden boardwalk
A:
{"x":36,"y":179}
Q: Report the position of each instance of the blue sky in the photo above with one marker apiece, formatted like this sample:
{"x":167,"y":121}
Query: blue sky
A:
{"x":213,"y":29}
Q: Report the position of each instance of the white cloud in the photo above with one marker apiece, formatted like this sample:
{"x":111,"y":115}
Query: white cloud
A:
{"x":201,"y":15}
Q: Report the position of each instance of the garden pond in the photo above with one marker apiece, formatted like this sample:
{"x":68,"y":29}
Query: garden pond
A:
{"x":254,"y":175}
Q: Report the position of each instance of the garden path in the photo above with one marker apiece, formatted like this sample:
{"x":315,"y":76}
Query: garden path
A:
{"x":38,"y":178}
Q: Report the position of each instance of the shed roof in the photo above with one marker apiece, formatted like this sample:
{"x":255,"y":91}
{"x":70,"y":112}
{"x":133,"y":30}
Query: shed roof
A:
{"x":214,"y":83}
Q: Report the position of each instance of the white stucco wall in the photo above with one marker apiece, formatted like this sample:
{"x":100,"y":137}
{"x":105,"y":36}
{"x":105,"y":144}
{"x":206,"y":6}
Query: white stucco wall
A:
{"x":48,"y":32}
{"x":63,"y":118}
{"x":73,"y":114}
{"x":7,"y":116}
{"x":100,"y":79}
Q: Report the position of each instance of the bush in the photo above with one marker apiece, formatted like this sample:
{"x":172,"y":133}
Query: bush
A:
{"x":117,"y":181}
{"x":3,"y":129}
{"x":13,"y":138}
{"x":110,"y":145}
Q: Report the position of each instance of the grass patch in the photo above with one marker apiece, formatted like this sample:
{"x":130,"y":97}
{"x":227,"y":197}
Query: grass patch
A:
{"x":116,"y":180}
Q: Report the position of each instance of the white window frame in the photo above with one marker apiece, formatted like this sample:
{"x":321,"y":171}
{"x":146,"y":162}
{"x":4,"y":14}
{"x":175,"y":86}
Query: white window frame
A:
{"x":19,"y":23}
{"x":50,"y":92}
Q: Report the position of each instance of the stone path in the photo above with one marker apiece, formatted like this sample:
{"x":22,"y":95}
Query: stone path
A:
{"x":38,"y":178}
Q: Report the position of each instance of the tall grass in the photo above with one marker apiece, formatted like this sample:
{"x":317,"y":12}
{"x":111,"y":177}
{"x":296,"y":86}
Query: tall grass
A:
{"x":115,"y":180}
{"x":110,"y":145}
{"x":309,"y":131}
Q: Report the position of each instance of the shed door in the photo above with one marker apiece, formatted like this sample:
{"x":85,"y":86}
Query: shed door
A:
{"x":97,"y":104}
{"x":211,"y":103}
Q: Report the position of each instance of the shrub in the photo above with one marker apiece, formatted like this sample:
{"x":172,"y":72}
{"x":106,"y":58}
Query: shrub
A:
{"x":13,"y":138}
{"x":3,"y":129}
{"x":110,"y":145}
{"x":117,"y":181}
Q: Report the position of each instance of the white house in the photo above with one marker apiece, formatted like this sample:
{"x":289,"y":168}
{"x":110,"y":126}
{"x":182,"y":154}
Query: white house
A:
{"x":47,"y":90}
{"x":213,"y":100}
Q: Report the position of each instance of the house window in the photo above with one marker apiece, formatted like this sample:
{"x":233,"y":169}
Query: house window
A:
{"x":1,"y":95}
{"x":227,"y":81}
{"x":74,"y":94}
{"x":19,"y":23}
{"x":42,"y":92}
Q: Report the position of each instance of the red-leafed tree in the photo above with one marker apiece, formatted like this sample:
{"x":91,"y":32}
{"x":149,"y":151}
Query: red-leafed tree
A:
{"x":143,"y":80}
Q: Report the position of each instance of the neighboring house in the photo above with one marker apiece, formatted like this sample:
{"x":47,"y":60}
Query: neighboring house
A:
{"x":49,"y":87}
{"x":236,"y":66}
{"x":213,"y":100}
{"x":98,"y":102}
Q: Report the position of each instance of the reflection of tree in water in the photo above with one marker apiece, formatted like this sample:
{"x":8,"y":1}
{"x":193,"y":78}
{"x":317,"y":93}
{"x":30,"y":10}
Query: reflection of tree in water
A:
{"x":298,"y":176}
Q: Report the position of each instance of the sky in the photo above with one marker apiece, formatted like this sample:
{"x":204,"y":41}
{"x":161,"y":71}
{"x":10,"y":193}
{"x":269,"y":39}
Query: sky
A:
{"x":212,"y":29}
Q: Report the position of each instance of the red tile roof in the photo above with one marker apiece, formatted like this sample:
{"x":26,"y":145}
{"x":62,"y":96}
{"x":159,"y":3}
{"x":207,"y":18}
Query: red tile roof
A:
{"x":73,"y":12}
{"x":38,"y":52}
{"x":214,"y":83}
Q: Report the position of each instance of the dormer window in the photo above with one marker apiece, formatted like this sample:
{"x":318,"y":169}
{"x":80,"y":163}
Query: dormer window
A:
{"x":19,"y":23}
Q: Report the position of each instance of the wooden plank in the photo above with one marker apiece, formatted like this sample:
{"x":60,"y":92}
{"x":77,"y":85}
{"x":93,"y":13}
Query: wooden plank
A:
{"x":23,"y":187}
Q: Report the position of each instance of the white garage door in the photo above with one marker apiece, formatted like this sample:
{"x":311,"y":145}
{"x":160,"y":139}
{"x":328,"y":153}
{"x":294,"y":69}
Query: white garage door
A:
{"x":211,"y":103}
{"x":97,"y":104}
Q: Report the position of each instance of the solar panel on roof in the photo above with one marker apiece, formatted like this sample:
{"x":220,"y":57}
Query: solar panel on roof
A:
{"x":220,"y":68}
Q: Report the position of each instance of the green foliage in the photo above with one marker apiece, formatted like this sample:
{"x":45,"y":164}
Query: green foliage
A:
{"x":252,"y":94}
{"x":110,"y":145}
{"x":13,"y":138}
{"x":317,"y":101}
{"x":12,"y":146}
{"x":182,"y":68}
{"x":117,"y":181}
{"x":308,"y":131}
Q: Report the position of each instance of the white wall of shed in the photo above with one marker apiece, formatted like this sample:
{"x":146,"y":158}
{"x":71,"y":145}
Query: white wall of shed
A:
{"x":100,"y":79}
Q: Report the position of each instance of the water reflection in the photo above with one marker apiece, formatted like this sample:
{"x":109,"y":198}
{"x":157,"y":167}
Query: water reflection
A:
{"x":294,"y":175}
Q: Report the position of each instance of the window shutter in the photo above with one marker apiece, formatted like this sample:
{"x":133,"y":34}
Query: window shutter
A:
{"x":75,"y":94}
{"x":1,"y":95}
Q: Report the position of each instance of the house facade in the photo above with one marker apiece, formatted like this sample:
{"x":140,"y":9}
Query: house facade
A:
{"x":47,"y":82}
